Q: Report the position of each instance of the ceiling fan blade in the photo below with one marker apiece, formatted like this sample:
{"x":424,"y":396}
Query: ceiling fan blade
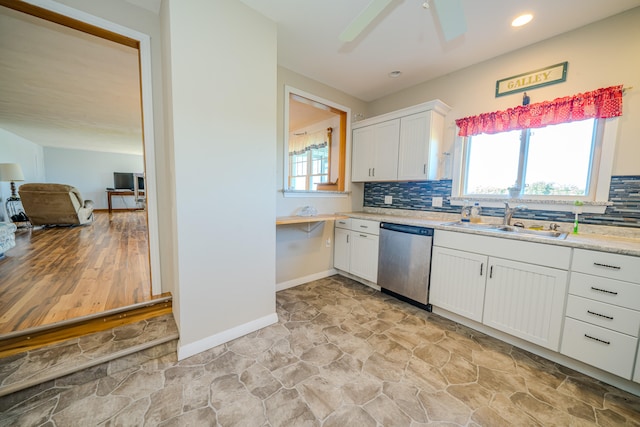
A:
{"x":451,"y":17}
{"x":363,"y":20}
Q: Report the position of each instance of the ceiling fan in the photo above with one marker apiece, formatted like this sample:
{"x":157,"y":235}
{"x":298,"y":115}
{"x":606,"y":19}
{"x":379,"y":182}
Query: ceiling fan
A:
{"x":449,"y":12}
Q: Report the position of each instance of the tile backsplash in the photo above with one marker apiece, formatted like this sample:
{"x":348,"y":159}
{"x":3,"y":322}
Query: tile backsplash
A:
{"x":624,"y":193}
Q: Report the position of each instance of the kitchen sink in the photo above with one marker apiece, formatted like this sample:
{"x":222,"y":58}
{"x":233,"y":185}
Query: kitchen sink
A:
{"x":509,"y":229}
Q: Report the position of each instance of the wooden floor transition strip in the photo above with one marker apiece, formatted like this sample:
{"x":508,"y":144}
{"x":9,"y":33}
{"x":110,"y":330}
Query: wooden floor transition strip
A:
{"x":49,"y":336}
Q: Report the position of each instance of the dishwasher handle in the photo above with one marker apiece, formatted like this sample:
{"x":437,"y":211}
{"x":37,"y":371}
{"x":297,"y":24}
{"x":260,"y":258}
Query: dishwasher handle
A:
{"x":409,"y":229}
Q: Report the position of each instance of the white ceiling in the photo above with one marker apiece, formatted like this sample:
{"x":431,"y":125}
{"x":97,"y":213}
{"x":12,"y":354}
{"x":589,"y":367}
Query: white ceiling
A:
{"x":60,"y":87}
{"x":63,"y":88}
{"x":407,"y":37}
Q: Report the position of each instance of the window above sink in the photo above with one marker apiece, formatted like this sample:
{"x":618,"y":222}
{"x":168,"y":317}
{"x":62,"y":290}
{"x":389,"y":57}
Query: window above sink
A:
{"x":545,"y":167}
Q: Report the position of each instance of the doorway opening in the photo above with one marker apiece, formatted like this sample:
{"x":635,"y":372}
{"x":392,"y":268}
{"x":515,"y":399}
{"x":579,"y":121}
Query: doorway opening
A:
{"x":140,"y":227}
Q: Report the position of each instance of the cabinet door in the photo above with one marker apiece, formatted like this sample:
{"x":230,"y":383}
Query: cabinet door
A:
{"x":526,"y":300}
{"x":364,"y":256}
{"x":636,"y":375}
{"x":363,"y":154}
{"x":458,"y":281}
{"x":341,"y":249}
{"x":387,"y":139}
{"x":418,"y":149}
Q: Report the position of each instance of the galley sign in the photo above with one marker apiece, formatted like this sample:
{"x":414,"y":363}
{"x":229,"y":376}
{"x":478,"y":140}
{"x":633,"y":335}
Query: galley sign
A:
{"x":533,"y":79}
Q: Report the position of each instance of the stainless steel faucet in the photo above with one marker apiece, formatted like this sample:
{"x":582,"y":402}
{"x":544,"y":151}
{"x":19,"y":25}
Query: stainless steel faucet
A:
{"x":508,"y":212}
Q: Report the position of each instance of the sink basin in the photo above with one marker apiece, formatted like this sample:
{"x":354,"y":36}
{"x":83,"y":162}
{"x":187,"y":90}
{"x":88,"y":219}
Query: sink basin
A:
{"x":509,"y":229}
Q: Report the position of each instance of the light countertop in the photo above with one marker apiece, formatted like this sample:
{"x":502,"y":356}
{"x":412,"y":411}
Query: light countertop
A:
{"x":601,"y":242}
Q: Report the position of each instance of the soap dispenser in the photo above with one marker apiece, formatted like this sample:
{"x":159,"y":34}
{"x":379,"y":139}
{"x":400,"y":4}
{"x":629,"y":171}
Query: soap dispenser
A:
{"x":465,"y":214}
{"x":476,"y":212}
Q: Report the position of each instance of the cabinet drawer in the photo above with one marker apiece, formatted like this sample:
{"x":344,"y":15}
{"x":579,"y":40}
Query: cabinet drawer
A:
{"x":611,"y":291}
{"x":606,"y":315}
{"x":343,"y":223}
{"x":614,"y":266}
{"x":365,"y":226}
{"x":605,"y":349}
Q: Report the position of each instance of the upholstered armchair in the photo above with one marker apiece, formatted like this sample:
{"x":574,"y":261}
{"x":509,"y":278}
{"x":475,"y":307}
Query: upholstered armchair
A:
{"x":55,"y":204}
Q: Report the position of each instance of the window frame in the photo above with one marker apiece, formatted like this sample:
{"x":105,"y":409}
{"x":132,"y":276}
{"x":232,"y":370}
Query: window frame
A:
{"x":345,"y":151}
{"x":600,"y":181}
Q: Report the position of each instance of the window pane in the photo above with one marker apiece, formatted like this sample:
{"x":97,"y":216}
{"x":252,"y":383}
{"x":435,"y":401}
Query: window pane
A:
{"x":299,"y":183}
{"x":559,"y":159}
{"x":492,"y":166}
{"x":320,"y":159}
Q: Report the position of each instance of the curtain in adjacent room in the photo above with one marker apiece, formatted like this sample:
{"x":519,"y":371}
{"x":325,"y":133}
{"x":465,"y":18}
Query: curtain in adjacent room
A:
{"x":301,"y":143}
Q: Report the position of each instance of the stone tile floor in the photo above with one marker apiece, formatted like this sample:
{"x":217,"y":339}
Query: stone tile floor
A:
{"x":341,"y":354}
{"x":36,"y":366}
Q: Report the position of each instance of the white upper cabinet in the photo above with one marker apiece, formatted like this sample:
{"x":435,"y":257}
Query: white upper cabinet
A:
{"x":375,"y":152}
{"x":420,"y":141}
{"x":399,"y":146}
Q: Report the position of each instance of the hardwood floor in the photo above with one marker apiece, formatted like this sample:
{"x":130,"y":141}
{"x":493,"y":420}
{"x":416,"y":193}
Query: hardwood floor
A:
{"x":56,"y":274}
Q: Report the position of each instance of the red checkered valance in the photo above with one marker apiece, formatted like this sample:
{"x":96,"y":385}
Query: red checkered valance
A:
{"x":601,"y":103}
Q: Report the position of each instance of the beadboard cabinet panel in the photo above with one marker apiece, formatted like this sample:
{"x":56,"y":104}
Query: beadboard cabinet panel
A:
{"x":420,"y":138}
{"x":458,"y":282}
{"x":526,"y":300}
{"x":375,"y":152}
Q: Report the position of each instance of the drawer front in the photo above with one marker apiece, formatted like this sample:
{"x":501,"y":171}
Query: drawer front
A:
{"x":611,"y":291}
{"x":606,"y":315}
{"x":605,"y":349}
{"x":343,"y":223}
{"x":614,"y":266}
{"x":365,"y":226}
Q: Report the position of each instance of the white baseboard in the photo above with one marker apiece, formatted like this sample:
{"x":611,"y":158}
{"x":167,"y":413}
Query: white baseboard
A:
{"x":306,"y":279}
{"x":199,"y":346}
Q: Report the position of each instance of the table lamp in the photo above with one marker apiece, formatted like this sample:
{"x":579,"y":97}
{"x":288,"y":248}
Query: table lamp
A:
{"x":11,"y":172}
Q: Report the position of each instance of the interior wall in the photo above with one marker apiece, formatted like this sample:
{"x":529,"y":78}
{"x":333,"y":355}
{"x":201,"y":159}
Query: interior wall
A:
{"x":302,"y":255}
{"x":30,"y":157}
{"x":222,"y":60}
{"x":600,"y":55}
{"x":91,"y":172}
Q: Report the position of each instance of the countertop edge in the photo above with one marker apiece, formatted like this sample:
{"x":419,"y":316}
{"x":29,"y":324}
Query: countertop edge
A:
{"x":603,"y":243}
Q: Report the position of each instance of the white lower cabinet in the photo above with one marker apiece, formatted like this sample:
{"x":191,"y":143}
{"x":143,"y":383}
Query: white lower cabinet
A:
{"x":603,"y":348}
{"x":356,"y":248}
{"x":636,"y":375}
{"x":342,"y":249}
{"x":470,"y":276}
{"x":458,"y":281}
{"x":603,"y":312}
{"x":364,"y":256}
{"x":526,"y":301}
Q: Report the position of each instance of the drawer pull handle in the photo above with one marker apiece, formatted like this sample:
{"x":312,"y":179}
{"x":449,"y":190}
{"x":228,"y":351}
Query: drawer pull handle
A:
{"x":597,"y":339}
{"x":613,"y":267}
{"x":364,"y":226}
{"x":363,"y":235}
{"x":599,"y":315}
{"x":604,"y":290}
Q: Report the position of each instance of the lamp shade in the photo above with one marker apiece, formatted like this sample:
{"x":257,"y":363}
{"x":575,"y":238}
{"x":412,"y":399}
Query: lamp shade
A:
{"x":11,"y":172}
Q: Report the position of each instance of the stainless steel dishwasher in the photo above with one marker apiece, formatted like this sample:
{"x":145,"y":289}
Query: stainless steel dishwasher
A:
{"x":404,"y":262}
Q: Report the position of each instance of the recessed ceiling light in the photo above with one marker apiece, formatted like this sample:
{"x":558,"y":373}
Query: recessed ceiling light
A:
{"x":395,"y":74}
{"x":522,"y":20}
